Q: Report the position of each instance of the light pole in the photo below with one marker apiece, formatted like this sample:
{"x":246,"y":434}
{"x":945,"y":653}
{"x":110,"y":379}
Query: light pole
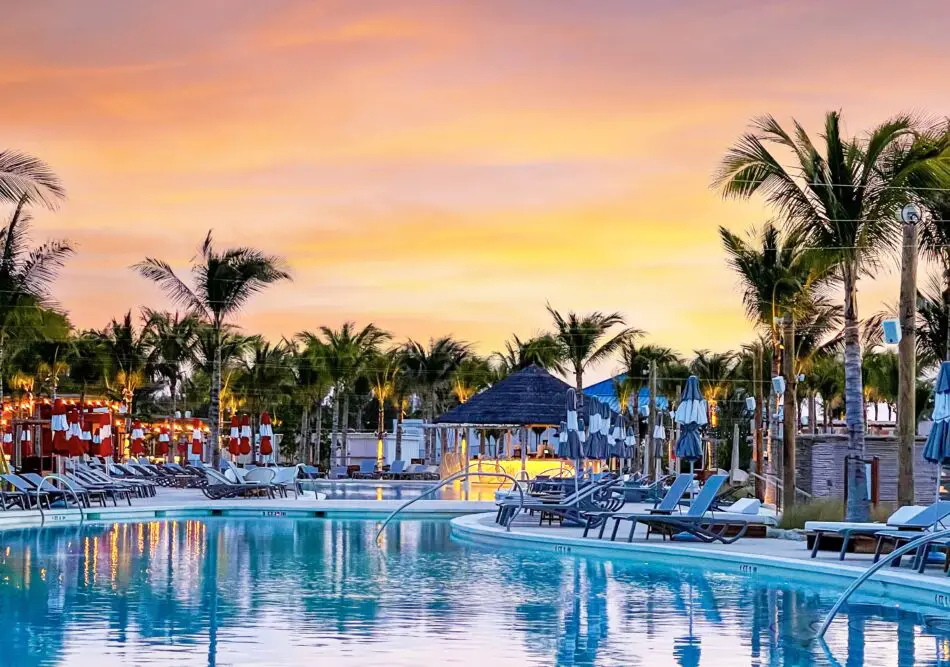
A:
{"x":911,"y":215}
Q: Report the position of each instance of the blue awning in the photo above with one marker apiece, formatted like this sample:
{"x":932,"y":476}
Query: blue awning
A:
{"x":604,"y":391}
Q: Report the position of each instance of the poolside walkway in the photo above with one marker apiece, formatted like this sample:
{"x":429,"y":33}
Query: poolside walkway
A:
{"x":169,"y":503}
{"x":749,"y":556}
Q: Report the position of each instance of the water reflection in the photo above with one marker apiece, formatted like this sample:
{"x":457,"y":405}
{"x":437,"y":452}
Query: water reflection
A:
{"x":281,"y":591}
{"x":395,"y":490}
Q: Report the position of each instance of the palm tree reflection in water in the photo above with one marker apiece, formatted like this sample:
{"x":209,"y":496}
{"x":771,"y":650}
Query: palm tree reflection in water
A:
{"x":233,"y":591}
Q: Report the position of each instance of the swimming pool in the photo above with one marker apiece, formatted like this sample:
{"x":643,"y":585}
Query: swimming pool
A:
{"x":224,"y":591}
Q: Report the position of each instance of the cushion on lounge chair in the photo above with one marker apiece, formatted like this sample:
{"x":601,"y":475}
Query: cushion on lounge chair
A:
{"x":744,"y":506}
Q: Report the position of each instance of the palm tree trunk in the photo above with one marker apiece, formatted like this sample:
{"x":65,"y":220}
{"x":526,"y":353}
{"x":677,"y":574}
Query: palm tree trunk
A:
{"x":771,"y":437}
{"x":304,"y":453}
{"x":907,"y":367}
{"x":335,"y":426}
{"x":946,"y":307}
{"x":759,"y":396}
{"x":214,"y":405}
{"x":812,"y":413}
{"x":345,"y":426}
{"x":858,"y":508}
{"x":318,"y":433}
{"x":399,"y":418}
{"x":790,"y":423}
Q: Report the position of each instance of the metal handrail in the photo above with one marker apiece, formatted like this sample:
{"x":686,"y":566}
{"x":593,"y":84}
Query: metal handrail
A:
{"x":779,"y":484}
{"x":897,"y":553}
{"x":452,"y":478}
{"x":69,"y":487}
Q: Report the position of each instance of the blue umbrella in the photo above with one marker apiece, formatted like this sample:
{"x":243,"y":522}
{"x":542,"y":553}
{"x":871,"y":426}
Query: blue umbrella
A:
{"x":691,"y":416}
{"x":937,"y":448}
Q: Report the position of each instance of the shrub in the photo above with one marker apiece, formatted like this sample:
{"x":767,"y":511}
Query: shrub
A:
{"x":827,"y":510}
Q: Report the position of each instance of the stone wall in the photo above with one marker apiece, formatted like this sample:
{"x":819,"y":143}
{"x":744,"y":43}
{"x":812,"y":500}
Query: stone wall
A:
{"x":820,"y":466}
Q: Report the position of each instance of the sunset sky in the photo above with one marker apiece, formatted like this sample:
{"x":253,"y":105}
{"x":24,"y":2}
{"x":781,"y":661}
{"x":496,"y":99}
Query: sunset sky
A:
{"x":439,"y":167}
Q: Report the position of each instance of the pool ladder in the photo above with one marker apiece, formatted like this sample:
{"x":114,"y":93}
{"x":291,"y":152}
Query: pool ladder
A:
{"x":67,"y":487}
{"x":919,"y":543}
{"x":452,"y":478}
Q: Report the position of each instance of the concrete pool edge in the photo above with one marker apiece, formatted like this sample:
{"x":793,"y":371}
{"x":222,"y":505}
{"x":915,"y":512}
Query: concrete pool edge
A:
{"x":894,"y":587}
{"x":299,"y":508}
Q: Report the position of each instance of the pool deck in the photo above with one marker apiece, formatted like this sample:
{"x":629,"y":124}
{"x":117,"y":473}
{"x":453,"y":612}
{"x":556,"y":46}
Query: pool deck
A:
{"x":770,"y":557}
{"x":174,"y":503}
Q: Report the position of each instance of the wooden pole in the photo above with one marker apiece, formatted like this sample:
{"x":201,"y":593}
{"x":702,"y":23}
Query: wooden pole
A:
{"x":907,"y":367}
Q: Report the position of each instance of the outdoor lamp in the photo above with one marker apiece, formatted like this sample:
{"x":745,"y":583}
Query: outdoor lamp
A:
{"x":911,"y":214}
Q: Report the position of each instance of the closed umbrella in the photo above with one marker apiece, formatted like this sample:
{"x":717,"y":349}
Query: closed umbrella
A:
{"x":59,"y":425}
{"x":267,"y":435}
{"x":574,"y":445}
{"x":592,"y":450}
{"x":197,"y":442}
{"x":937,"y":448}
{"x":161,"y":448}
{"x":659,"y":439}
{"x":105,"y":440}
{"x":7,"y":442}
{"x":137,"y":446}
{"x":245,"y":438}
{"x":691,"y":416}
{"x":86,"y":439}
{"x":604,"y":450}
{"x":562,"y":449}
{"x":234,"y":437}
{"x":74,"y":443}
{"x":26,"y":443}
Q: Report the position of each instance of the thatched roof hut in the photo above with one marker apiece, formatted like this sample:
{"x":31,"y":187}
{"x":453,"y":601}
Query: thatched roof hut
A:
{"x":529,"y":397}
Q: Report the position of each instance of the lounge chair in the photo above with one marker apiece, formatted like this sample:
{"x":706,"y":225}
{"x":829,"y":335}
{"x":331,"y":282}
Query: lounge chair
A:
{"x":639,"y":491}
{"x":666,"y":505}
{"x":414,"y":471}
{"x":34,"y":498}
{"x":914,"y":518}
{"x":309,"y":472}
{"x":12,"y":498}
{"x":220,"y":486}
{"x":367,"y":470}
{"x":699,"y":520}
{"x":286,"y":480}
{"x":589,"y":498}
{"x":396,"y":470}
{"x":337,"y":472}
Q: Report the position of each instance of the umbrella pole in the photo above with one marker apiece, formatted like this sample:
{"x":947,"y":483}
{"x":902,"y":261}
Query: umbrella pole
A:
{"x":692,"y":478}
{"x":939,"y":475}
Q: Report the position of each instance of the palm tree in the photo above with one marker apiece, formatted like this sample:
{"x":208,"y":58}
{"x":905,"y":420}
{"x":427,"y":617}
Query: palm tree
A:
{"x":25,"y":179}
{"x":383,"y":372}
{"x":266,"y":377}
{"x":779,"y":275}
{"x":430,"y":370}
{"x":26,"y":274}
{"x":935,"y":242}
{"x":313,"y":385}
{"x":347,"y":351}
{"x":825,"y":378}
{"x":224,"y":281}
{"x":543,"y":350}
{"x":126,"y":358}
{"x":88,"y":363}
{"x":843,"y":202}
{"x":471,"y":376}
{"x":933,"y":316}
{"x":582,"y":337}
{"x":715,"y":373}
{"x":170,"y":339}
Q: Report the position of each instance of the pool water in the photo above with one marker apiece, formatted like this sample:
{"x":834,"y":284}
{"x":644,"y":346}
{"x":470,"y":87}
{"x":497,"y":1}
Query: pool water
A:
{"x":317,"y":592}
{"x":396,"y":490}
